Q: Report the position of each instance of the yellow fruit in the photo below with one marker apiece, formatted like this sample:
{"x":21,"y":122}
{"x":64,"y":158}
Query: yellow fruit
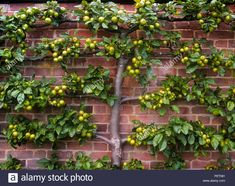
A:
{"x":32,"y":137}
{"x":11,"y":126}
{"x":57,"y":88}
{"x":53,"y":92}
{"x":101,"y":19}
{"x":234,"y":90}
{"x":55,"y":54}
{"x":27,"y":135}
{"x":139,"y":129}
{"x":114,"y":19}
{"x":15,"y":134}
{"x":29,"y":108}
{"x":48,"y":20}
{"x":143,"y":22}
{"x":56,"y":60}
{"x":201,"y":21}
{"x":81,"y":118}
{"x":64,"y":87}
{"x":199,"y":16}
{"x":60,"y":91}
{"x":86,"y":18}
{"x":137,"y":71}
{"x":157,"y":25}
{"x":81,"y":112}
{"x":125,"y":164}
{"x":62,"y":102}
{"x":132,"y":142}
{"x":129,"y":67}
{"x":89,"y":135}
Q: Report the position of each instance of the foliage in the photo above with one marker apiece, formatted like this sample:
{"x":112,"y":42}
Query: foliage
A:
{"x":193,"y":58}
{"x":179,"y":135}
{"x":133,"y":164}
{"x":221,"y":164}
{"x":15,"y":28}
{"x":61,"y":49}
{"x":97,"y":15}
{"x":24,"y":93}
{"x":31,"y":93}
{"x":96,"y":82}
{"x":69,"y":124}
{"x":173,"y":162}
{"x":218,"y":102}
{"x":10,"y":164}
{"x":82,"y":162}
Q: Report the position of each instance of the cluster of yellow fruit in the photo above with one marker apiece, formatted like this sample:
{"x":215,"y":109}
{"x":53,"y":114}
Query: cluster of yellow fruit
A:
{"x":218,"y":61}
{"x":141,"y":134}
{"x":88,"y":18}
{"x":15,"y":133}
{"x":90,"y":44}
{"x":149,"y":25}
{"x":134,"y":69}
{"x":27,"y":104}
{"x":217,"y":16}
{"x":186,"y":52}
{"x":110,"y":50}
{"x":84,"y":117}
{"x":155,"y":100}
{"x":142,"y":3}
{"x":206,"y":138}
{"x":51,"y":14}
{"x":57,"y":93}
{"x":62,"y":48}
{"x":25,"y":18}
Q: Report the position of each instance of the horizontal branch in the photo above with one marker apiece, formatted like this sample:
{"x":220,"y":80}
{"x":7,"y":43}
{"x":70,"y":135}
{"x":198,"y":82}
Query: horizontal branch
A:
{"x":104,"y":139}
{"x":83,"y":54}
{"x":131,"y":98}
{"x":124,"y":140}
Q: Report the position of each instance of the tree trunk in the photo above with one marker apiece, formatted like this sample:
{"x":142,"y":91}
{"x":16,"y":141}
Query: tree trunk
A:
{"x":115,"y":115}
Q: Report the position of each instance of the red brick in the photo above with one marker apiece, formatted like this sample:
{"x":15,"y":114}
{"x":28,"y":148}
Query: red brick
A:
{"x":23,"y":154}
{"x":221,"y":35}
{"x":76,"y":146}
{"x":198,"y":164}
{"x":100,"y":146}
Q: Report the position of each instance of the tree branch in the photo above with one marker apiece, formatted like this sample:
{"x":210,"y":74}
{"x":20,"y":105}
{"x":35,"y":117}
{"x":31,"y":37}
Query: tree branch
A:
{"x":124,"y":140}
{"x":131,"y":30}
{"x":131,"y":98}
{"x":104,"y":139}
{"x":83,"y":54}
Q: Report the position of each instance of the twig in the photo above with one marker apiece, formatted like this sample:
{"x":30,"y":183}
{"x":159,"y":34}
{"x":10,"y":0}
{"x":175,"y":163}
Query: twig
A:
{"x":104,"y":139}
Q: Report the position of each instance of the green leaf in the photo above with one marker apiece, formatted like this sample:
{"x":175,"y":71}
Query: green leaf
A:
{"x":175,"y":108}
{"x":163,"y":145}
{"x":162,"y":111}
{"x":230,"y":105}
{"x":215,"y":140}
{"x":21,"y":98}
{"x":191,"y":139}
{"x":157,"y":139}
{"x":15,"y":93}
{"x":191,"y":68}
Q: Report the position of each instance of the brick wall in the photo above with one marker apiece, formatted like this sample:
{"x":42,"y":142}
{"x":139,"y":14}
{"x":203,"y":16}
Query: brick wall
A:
{"x":29,"y":154}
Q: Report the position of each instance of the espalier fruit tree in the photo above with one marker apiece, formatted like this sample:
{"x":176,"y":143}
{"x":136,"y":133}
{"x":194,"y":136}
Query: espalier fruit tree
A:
{"x":135,"y":57}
